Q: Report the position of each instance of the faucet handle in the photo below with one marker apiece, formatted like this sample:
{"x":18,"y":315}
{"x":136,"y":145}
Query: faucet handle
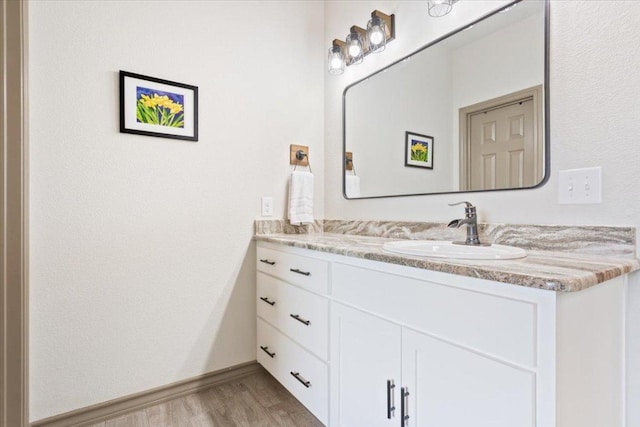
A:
{"x":469,"y":205}
{"x":469,"y":210}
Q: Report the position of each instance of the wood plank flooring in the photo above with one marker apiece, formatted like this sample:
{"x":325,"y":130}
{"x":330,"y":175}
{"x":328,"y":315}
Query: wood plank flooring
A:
{"x":254,"y":401}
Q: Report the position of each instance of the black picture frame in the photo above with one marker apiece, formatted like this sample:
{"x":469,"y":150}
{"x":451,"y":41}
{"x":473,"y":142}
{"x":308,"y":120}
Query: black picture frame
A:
{"x":160,"y":108}
{"x":417,"y":139}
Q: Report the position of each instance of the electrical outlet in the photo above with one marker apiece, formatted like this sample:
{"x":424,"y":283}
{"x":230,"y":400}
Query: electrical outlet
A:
{"x":267,"y":206}
{"x":580,"y":186}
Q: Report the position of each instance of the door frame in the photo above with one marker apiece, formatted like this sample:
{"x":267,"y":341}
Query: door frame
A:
{"x":14,"y":224}
{"x":465,"y":114}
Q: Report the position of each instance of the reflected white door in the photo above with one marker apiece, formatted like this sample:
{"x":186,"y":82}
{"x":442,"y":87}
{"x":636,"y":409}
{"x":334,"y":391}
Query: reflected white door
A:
{"x":502,"y":147}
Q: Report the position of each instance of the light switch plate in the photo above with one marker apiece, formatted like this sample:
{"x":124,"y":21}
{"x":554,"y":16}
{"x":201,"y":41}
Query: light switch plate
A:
{"x":580,"y":186}
{"x":267,"y":206}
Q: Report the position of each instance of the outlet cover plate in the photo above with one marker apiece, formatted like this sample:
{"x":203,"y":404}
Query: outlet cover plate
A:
{"x":267,"y":206}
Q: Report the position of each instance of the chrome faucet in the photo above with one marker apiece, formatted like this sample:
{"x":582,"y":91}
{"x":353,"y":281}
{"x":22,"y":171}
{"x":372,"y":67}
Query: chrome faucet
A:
{"x":471,"y":221}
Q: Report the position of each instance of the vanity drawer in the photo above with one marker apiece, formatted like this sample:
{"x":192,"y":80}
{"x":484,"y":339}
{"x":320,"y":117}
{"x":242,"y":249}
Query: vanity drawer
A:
{"x":308,"y":273}
{"x":500,"y":326}
{"x":283,"y":358}
{"x":303,"y":316}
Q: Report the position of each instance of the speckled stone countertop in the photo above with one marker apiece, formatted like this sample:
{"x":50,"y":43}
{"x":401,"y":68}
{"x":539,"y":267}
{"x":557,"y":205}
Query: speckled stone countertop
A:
{"x":601,"y":254}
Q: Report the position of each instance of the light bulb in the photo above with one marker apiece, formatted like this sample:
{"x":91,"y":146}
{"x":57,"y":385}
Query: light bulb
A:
{"x":354,"y":47}
{"x":376,"y":36}
{"x":354,"y":50}
{"x":336,"y":61}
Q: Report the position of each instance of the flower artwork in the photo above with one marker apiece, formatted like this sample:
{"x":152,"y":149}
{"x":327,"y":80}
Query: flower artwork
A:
{"x":418,"y":150}
{"x":159,"y":108}
{"x":155,"y":107}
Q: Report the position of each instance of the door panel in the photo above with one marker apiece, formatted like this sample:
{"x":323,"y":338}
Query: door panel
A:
{"x":453,"y":387}
{"x":365,"y":354}
{"x":502,"y":147}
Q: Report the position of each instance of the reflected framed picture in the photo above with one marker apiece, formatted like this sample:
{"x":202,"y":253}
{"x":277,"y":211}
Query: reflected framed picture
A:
{"x":418,"y":150}
{"x":156,"y":107}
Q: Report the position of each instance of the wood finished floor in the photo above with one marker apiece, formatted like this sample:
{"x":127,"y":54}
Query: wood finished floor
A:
{"x":254,"y":401}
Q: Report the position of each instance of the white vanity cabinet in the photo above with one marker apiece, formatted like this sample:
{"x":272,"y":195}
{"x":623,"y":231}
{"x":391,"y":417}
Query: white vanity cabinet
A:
{"x":462,"y":356}
{"x":292,"y":325}
{"x":453,"y":351}
{"x":384,"y":372}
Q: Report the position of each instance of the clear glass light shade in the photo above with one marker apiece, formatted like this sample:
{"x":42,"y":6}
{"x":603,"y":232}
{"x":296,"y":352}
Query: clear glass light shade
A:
{"x":336,"y":61}
{"x":376,"y":34}
{"x":355,"y":49}
{"x":438,"y":8}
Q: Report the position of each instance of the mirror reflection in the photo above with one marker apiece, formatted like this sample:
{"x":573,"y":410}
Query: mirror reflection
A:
{"x":463,"y":114}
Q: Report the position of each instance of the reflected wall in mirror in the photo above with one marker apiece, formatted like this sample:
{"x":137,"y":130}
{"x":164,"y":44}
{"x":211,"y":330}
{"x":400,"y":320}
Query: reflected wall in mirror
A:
{"x":481,"y":95}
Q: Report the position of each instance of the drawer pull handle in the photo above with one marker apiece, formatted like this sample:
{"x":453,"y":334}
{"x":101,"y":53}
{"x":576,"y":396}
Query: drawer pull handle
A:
{"x":390,"y":398}
{"x":404,"y":410}
{"x":300,"y":319}
{"x":266,"y":261}
{"x":265,"y":299}
{"x":305,"y":273}
{"x":266,"y":350}
{"x":304,"y":382}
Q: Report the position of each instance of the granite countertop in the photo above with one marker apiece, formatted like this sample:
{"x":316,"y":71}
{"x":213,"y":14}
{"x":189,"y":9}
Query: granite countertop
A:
{"x":542,"y":269}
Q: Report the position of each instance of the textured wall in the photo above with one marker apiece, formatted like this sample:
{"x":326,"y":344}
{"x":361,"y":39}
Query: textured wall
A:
{"x":594,"y":122}
{"x":142,"y":266}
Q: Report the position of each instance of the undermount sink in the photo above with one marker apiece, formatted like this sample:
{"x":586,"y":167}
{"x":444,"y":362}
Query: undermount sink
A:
{"x":444,"y":249}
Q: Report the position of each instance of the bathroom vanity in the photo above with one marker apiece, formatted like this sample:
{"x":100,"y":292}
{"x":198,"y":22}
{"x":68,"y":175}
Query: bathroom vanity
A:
{"x":367,"y":338}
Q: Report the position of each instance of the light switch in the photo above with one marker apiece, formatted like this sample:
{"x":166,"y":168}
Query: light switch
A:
{"x":267,"y":206}
{"x":580,"y":186}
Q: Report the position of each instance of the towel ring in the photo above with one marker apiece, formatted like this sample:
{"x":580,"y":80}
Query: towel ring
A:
{"x":300,"y":155}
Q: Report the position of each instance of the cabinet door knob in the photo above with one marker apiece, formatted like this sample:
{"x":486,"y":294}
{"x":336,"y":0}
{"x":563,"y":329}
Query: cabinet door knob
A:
{"x":300,"y":319}
{"x":305,"y":273}
{"x":304,"y":382}
{"x":266,"y":261}
{"x":265,"y":299}
{"x":266,"y":350}
{"x":390,"y":399}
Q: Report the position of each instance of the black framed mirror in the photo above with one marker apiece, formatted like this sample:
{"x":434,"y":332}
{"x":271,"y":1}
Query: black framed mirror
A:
{"x":467,"y":112}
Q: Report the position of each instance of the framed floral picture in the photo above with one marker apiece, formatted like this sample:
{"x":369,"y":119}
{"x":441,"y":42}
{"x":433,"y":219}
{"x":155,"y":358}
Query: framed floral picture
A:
{"x":156,"y":107}
{"x":418,"y":150}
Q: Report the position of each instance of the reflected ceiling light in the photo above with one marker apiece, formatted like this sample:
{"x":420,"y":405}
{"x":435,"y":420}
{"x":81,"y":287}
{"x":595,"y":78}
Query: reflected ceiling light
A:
{"x":360,"y":42}
{"x":438,"y":8}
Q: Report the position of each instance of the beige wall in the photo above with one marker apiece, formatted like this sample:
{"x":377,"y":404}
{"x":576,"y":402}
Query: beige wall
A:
{"x":142,"y":267}
{"x":594,"y":122}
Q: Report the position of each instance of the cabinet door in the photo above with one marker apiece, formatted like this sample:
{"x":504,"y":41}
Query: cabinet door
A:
{"x":365,"y":362}
{"x":450,"y":386}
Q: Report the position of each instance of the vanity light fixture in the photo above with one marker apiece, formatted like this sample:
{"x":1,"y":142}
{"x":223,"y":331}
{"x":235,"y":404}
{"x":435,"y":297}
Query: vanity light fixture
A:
{"x":377,"y":32}
{"x":360,"y":42}
{"x":355,"y":45}
{"x":336,"y":58}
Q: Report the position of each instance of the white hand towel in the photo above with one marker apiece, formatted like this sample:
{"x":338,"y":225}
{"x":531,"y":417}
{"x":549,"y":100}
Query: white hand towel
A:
{"x":352,"y":185}
{"x":301,"y":198}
